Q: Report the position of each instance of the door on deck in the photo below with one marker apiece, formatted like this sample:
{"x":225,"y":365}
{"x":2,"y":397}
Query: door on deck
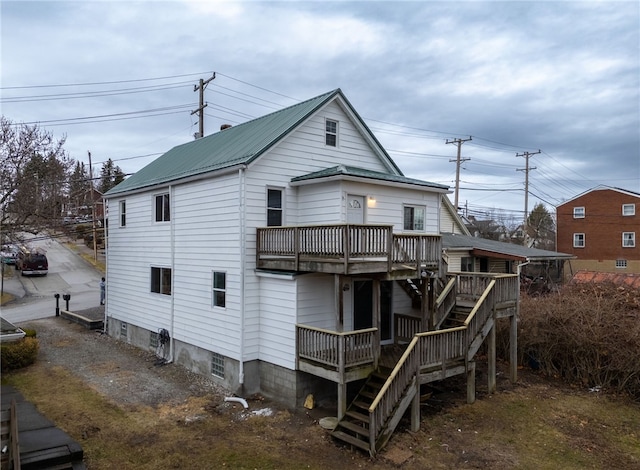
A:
{"x":363,"y":308}
{"x":355,"y":209}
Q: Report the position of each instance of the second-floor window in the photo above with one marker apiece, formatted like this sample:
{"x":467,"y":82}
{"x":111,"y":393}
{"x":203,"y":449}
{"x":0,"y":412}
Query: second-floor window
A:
{"x":331,"y":136}
{"x":123,"y":213}
{"x":414,"y":218}
{"x":578,"y":212}
{"x":163,"y":212}
{"x":628,"y":239}
{"x":628,"y":209}
{"x":161,"y":280}
{"x":578,"y":240}
{"x":274,"y":207}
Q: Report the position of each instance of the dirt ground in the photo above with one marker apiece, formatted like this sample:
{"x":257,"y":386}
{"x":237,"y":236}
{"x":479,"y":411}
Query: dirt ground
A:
{"x":500,"y":431}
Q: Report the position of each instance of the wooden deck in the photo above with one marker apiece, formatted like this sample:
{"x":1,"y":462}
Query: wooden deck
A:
{"x":347,"y":249}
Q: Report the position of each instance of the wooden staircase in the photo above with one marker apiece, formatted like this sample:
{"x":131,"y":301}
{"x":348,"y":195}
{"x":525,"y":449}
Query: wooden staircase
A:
{"x":353,"y":428}
{"x":388,"y":392}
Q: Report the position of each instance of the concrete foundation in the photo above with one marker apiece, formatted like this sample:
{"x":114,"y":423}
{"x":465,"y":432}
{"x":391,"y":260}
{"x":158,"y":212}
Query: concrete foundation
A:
{"x":286,"y":386}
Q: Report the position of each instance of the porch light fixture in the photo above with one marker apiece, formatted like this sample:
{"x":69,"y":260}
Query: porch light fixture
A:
{"x":345,"y":287}
{"x":371,"y":201}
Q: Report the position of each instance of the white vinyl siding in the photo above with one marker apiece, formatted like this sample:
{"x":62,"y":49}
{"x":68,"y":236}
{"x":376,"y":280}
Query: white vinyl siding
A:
{"x":277,"y":321}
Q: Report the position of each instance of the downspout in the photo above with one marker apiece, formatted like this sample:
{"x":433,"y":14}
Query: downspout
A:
{"x":105,"y":230}
{"x":173,"y":271}
{"x":243,"y":240}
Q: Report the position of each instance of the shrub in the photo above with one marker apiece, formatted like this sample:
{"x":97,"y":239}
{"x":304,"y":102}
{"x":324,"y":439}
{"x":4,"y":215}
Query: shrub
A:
{"x":29,"y":332}
{"x":585,"y":333}
{"x":18,"y":354}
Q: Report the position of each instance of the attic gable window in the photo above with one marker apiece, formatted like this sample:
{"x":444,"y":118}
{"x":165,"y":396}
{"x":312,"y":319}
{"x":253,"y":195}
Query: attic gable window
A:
{"x":163,"y":208}
{"x":578,"y":212}
{"x":331,"y":136}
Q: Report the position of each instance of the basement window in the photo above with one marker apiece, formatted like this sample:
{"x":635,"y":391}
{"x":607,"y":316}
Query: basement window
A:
{"x":217,"y":365}
{"x":153,"y":340}
{"x":621,"y":263}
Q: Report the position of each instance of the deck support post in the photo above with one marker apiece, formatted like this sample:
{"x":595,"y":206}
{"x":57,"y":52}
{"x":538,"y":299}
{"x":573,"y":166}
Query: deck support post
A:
{"x":513,"y":348}
{"x":491,"y":359}
{"x":471,"y":382}
{"x":342,"y":400}
{"x":415,"y":409}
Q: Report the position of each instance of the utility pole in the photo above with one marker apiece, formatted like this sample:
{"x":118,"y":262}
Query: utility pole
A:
{"x":93,"y":213}
{"x":458,"y":161}
{"x":526,"y":170}
{"x":203,"y":84}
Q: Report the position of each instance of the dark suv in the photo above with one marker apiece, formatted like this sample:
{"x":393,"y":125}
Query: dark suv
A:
{"x":32,"y":263}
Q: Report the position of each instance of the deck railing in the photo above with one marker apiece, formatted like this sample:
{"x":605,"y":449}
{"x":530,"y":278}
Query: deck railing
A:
{"x":346,"y":243}
{"x":337,"y":351}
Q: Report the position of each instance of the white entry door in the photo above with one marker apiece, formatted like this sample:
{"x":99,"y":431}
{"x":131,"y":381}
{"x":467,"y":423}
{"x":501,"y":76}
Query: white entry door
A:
{"x":355,"y":209}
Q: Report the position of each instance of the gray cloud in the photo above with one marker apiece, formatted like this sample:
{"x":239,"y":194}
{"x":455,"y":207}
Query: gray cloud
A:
{"x":563,"y":77}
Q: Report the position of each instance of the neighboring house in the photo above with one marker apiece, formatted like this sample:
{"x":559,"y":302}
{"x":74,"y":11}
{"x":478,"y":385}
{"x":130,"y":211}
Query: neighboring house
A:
{"x":600,"y":227}
{"x":465,"y":253}
{"x":280,"y":255}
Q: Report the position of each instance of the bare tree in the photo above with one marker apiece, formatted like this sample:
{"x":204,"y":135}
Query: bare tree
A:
{"x":34,"y":170}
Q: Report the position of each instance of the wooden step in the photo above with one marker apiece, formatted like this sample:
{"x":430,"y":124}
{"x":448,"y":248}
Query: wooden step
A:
{"x":361,"y":404}
{"x":358,"y":416}
{"x":354,"y":441}
{"x":353,"y":427}
{"x":368,"y":394}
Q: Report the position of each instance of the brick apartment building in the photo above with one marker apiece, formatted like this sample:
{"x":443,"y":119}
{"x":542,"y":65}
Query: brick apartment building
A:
{"x":600,"y":227}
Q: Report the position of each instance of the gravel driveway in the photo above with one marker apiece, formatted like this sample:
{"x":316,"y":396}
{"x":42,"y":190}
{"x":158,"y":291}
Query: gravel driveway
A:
{"x":123,"y":373}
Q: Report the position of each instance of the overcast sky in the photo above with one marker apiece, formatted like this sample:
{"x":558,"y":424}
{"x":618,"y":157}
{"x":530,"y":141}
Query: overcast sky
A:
{"x":117,"y":79}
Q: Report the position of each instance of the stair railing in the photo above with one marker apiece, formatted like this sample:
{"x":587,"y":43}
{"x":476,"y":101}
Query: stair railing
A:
{"x":431,"y":348}
{"x":445,"y":303}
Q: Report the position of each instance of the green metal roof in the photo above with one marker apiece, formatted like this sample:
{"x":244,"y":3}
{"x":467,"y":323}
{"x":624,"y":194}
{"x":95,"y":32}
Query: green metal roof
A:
{"x":237,"y":145}
{"x":344,"y":170}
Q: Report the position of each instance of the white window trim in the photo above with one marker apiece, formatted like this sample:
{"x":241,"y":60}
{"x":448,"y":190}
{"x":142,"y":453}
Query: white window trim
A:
{"x":631,"y":239}
{"x":632,"y":211}
{"x":121,"y":213}
{"x":424,"y":221}
{"x":214,"y":289}
{"x":336,"y":133}
{"x":576,"y":212}
{"x":584,"y":242}
{"x":282,"y":201}
{"x":621,"y":264}
{"x":154,"y":214}
{"x":151,"y":280}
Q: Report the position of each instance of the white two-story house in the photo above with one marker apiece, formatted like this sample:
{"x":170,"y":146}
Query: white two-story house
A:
{"x":279,"y":255}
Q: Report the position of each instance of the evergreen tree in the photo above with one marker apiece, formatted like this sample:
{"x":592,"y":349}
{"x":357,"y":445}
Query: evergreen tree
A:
{"x":110,"y":176}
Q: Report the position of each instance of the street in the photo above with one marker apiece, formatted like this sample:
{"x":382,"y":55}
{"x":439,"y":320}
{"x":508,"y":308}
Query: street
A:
{"x":68,"y":273}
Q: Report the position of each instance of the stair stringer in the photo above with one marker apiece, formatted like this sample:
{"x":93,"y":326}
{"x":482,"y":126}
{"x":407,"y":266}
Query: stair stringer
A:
{"x":393,"y":421}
